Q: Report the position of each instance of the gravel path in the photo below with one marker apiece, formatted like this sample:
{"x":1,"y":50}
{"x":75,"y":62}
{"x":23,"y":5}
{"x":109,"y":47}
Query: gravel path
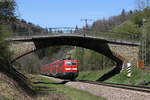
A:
{"x":110,"y":93}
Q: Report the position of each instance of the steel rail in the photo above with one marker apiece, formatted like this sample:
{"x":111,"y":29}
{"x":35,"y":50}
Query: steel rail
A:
{"x":116,"y":85}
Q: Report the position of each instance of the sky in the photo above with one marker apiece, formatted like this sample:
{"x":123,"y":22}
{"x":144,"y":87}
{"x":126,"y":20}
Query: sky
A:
{"x":68,"y":13}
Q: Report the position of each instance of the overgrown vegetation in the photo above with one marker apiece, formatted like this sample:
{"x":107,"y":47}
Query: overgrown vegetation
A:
{"x":6,"y":14}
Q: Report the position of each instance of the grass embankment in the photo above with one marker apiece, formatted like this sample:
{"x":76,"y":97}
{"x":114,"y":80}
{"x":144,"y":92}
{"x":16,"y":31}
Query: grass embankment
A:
{"x":139,"y":76}
{"x":44,"y":85}
{"x":92,"y":75}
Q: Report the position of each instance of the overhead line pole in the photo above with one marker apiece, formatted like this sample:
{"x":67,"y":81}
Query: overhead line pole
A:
{"x":84,"y":33}
{"x":86,"y":24}
{"x":86,"y":21}
{"x":144,"y":42}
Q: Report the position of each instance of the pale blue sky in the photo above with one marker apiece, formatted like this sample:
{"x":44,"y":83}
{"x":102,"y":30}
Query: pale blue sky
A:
{"x":60,"y":13}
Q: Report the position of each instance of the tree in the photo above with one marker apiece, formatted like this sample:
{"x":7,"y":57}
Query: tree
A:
{"x":7,"y":10}
{"x":6,"y":13}
{"x":123,"y":15}
{"x":128,"y":28}
{"x":106,"y":25}
{"x":142,"y":4}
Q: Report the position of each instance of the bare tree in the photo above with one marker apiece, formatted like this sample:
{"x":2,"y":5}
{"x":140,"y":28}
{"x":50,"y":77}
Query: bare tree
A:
{"x":141,"y":4}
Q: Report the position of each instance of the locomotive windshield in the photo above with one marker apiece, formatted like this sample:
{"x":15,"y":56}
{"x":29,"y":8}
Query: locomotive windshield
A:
{"x":71,"y":63}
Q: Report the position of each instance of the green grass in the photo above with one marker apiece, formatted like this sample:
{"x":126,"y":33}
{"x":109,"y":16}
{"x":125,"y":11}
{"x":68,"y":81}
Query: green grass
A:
{"x":71,"y":93}
{"x":138,"y":76}
{"x":92,"y":75}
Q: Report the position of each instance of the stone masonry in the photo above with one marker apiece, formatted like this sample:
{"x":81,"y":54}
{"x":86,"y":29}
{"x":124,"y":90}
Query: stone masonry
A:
{"x":21,"y":48}
{"x":128,"y":52}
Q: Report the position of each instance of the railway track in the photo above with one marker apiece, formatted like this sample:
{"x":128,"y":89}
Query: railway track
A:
{"x":115,"y":85}
{"x":123,"y":86}
{"x":111,"y":91}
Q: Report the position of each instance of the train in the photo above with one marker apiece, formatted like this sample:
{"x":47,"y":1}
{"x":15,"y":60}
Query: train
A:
{"x":66,"y":69}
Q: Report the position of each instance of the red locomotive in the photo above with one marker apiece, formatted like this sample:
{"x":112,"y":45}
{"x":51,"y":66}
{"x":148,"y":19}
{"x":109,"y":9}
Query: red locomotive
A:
{"x":67,"y":69}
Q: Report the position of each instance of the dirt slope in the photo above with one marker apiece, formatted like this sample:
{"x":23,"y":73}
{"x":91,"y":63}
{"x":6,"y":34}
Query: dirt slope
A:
{"x":9,"y":90}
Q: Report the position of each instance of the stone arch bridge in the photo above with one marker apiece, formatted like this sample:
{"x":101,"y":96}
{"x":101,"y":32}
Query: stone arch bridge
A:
{"x":121,"y":52}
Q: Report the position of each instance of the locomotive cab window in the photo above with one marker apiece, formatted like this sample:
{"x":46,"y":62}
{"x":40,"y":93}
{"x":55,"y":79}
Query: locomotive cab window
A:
{"x":71,"y":63}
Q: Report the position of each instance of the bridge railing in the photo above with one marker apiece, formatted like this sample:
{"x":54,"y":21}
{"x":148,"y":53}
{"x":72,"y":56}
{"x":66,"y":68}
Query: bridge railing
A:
{"x":82,"y":32}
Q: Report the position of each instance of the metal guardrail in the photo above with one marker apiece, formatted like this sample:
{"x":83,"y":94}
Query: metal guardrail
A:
{"x":75,"y":33}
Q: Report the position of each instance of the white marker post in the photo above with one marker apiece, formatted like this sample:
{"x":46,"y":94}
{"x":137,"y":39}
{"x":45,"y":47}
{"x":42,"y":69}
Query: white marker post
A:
{"x":129,"y":69}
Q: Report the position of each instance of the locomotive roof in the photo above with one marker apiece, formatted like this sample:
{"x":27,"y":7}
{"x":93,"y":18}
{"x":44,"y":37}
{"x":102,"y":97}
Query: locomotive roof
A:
{"x":63,"y":60}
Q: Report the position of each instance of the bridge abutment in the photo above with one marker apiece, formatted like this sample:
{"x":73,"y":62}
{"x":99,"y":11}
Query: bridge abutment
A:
{"x":129,"y":53}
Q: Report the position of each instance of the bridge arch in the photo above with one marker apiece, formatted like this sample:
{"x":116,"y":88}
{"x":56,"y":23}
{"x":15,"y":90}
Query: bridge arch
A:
{"x":104,"y":46}
{"x":96,"y":44}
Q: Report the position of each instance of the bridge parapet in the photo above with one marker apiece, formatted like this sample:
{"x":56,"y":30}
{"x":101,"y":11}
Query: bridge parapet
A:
{"x":109,"y":40}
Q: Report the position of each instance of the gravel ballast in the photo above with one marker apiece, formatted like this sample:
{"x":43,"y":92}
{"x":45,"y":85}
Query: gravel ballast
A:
{"x":111,"y":93}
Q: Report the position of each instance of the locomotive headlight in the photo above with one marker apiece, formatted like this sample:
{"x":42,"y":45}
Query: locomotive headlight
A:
{"x":71,"y":68}
{"x":74,"y":68}
{"x":68,"y":68}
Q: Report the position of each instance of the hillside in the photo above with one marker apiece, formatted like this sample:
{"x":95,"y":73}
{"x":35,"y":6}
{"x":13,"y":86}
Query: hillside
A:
{"x":9,"y":90}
